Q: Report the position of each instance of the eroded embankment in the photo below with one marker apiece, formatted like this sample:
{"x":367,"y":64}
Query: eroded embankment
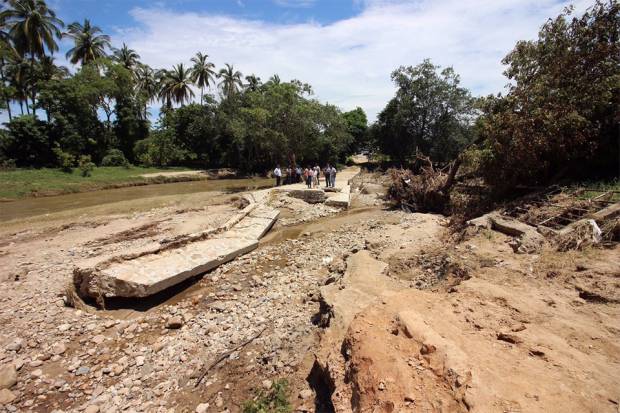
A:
{"x":483,"y":329}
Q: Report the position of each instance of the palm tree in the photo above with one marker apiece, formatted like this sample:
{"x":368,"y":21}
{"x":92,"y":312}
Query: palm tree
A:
{"x":202,"y":72}
{"x":127,"y":57}
{"x":7,"y":53}
{"x":19,"y":73}
{"x":33,"y":27}
{"x":231,"y":81}
{"x":176,"y":86}
{"x":89,"y":45}
{"x":146,"y":84}
{"x":275,"y":79}
{"x":253,"y":82}
{"x":48,"y":70}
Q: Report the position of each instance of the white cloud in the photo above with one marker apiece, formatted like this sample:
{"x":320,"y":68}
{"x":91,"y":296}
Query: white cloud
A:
{"x":349,"y":62}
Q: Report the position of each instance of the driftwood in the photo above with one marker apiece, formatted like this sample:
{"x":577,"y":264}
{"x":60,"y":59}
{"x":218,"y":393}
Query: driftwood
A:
{"x":225,"y":355}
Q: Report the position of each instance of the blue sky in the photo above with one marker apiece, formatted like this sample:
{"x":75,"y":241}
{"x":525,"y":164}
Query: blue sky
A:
{"x":346,"y":49}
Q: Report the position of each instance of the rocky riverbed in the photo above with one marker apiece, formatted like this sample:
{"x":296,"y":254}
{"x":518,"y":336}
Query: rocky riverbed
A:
{"x":365,"y":310}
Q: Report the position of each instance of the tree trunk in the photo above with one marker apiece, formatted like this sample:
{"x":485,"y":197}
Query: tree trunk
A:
{"x":33,"y":86}
{"x":6,"y":96}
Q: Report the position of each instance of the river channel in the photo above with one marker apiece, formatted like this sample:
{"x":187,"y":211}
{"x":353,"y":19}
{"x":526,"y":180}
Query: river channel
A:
{"x":30,"y":207}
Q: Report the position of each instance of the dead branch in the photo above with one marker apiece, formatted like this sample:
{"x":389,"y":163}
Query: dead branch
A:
{"x":225,"y":355}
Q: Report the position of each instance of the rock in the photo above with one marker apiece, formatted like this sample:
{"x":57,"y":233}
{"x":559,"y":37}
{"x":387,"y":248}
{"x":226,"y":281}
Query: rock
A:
{"x":8,"y":376}
{"x":98,"y":339}
{"x":219,"y":401}
{"x":174,"y":323}
{"x":202,"y":408}
{"x":15,"y":345}
{"x":305,"y":394}
{"x":83,"y":370}
{"x":93,"y":408}
{"x":6,"y":396}
{"x":36,"y":373}
{"x":509,"y":338}
{"x":140,"y":361}
{"x":58,"y":348}
{"x":64,"y":327}
{"x":267,"y":384}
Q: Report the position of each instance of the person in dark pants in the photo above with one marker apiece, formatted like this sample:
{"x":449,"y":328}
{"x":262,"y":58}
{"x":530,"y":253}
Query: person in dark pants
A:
{"x":278,"y":174}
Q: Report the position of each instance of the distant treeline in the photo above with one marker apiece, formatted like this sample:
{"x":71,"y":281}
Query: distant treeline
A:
{"x":100,"y":113}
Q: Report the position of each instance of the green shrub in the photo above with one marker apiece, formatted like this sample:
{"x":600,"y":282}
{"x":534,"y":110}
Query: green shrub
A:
{"x":65,"y":159}
{"x":349,"y":161}
{"x":85,"y":165}
{"x":115,"y":157}
{"x":274,"y":400}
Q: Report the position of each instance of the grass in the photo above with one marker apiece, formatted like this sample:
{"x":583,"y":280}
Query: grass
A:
{"x":274,"y":400}
{"x":23,"y":183}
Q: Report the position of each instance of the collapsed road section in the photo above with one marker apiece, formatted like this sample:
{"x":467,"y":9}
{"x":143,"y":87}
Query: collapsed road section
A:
{"x":153,"y":270}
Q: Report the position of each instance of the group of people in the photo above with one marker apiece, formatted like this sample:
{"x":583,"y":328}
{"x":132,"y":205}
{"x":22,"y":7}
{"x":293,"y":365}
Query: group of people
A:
{"x":310,"y":176}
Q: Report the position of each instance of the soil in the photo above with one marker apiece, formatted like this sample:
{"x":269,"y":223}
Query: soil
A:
{"x":368,"y":310}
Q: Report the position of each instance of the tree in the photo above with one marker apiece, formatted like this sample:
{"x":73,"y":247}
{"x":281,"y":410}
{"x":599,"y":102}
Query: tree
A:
{"x":253,"y":83}
{"x":89,"y":46}
{"x":231,"y":81}
{"x":176,"y":85}
{"x":430,"y":113}
{"x":358,"y":128}
{"x":126,"y":57}
{"x":33,"y":27}
{"x":560,"y":116}
{"x":27,"y":142}
{"x":146,"y":84}
{"x":202,"y":72}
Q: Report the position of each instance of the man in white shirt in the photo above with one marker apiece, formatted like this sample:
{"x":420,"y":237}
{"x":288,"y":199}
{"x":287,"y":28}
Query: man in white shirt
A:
{"x":278,"y":174}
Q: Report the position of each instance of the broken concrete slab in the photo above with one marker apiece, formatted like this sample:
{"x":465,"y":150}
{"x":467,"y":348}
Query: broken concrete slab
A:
{"x":339,"y":199}
{"x":311,"y":196}
{"x":151,"y":274}
{"x":256,"y":224}
{"x":154,"y":271}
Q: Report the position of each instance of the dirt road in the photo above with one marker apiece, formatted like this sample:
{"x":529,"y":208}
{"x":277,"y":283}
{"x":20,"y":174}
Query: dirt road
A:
{"x":365,"y":310}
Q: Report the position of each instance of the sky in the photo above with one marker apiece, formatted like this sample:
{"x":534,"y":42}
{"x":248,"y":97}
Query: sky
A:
{"x":346,"y":49}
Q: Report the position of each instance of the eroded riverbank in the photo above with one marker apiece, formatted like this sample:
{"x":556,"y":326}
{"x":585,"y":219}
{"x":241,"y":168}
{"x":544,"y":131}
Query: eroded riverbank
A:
{"x":364,"y":310}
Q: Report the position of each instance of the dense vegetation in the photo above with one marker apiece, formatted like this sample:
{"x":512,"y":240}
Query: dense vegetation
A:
{"x":559,"y":119}
{"x":99,"y":113}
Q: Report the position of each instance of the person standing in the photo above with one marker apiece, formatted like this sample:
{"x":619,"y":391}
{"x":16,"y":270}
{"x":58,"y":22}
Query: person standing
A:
{"x":326,"y":173}
{"x":308,"y":176}
{"x":299,"y":175}
{"x":317,"y":173}
{"x":278,"y":174}
{"x":332,"y":176}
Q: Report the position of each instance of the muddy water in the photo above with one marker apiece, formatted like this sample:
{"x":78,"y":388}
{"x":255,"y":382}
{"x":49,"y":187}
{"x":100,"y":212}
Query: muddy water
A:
{"x":39,"y":206}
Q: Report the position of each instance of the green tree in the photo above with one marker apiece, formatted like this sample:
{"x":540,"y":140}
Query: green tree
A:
{"x":358,"y":128}
{"x":176,"y":85}
{"x":126,"y":57}
{"x":231,"y":81}
{"x":202,"y":73}
{"x":146,"y":84}
{"x":89,"y":45}
{"x":27,"y":142}
{"x":253,"y":83}
{"x":560,"y":116}
{"x":430,"y":113}
{"x":33,"y":27}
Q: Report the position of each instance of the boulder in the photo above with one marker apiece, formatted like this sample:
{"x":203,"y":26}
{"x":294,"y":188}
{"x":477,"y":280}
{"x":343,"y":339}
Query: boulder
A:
{"x":8,"y":376}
